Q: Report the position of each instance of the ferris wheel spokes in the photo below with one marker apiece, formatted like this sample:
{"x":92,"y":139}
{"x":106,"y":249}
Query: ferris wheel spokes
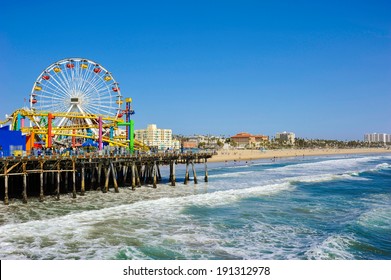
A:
{"x":76,"y":85}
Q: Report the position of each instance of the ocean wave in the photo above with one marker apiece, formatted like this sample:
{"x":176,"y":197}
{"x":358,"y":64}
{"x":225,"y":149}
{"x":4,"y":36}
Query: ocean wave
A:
{"x":189,"y":240}
{"x":229,"y":167}
{"x":231,"y":175}
{"x":326,"y":178}
{"x":377,"y":218}
{"x":80,"y":235}
{"x":334,"y":247}
{"x":324,"y":170}
{"x":382,"y":166}
{"x":326,"y":165}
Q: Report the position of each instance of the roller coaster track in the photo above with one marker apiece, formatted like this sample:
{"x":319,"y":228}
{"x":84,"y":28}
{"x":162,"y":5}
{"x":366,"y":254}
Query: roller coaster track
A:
{"x":71,"y":130}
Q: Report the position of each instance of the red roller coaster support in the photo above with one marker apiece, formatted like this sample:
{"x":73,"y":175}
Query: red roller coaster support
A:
{"x":49,"y":136}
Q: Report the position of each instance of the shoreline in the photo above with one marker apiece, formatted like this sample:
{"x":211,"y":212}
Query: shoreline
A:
{"x":245,"y":155}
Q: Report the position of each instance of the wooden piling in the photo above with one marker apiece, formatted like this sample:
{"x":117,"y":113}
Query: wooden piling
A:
{"x":133,"y":176}
{"x":144,"y":177}
{"x":66,"y":182}
{"x":107,"y":171}
{"x":74,"y":179}
{"x":173,"y":176}
{"x":83,"y":183}
{"x":58,"y":180}
{"x":93,"y":179}
{"x":154,"y":175}
{"x":6,"y":201}
{"x":206,"y":171}
{"x":45,"y":179}
{"x":52,"y":178}
{"x":125,"y":174}
{"x":138,"y":182}
{"x":99,"y":176}
{"x":187,"y":172}
{"x":159,"y":175}
{"x":24,"y":188}
{"x":24,"y":183}
{"x":114,"y":174}
{"x":194,"y":173}
{"x":41,"y":177}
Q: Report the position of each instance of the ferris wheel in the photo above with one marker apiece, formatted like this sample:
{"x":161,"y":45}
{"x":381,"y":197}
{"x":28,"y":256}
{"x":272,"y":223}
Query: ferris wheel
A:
{"x":76,"y":85}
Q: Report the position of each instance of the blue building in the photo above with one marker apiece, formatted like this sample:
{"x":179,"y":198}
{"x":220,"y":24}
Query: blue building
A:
{"x":11,"y":142}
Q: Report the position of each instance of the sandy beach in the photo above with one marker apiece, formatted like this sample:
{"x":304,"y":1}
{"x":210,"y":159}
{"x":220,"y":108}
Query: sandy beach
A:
{"x":248,"y":155}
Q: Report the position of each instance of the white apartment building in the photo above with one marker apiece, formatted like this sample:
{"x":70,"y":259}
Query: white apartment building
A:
{"x":156,"y":137}
{"x":377,"y":138}
{"x":286,"y":137}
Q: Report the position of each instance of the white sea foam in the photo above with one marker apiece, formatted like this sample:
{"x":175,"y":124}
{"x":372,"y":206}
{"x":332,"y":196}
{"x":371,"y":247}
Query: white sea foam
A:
{"x":325,"y":178}
{"x":377,"y":218}
{"x":383,"y":166}
{"x":334,"y":247}
{"x":230,"y":166}
{"x":231,"y":174}
{"x":326,"y":165}
{"x":252,"y":241}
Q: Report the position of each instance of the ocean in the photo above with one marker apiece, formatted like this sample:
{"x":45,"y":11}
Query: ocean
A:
{"x":326,"y":207}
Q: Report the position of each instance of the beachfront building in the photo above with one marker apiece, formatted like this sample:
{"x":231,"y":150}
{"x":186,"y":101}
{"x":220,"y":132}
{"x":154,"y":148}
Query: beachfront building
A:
{"x":247,"y":140}
{"x":377,"y":138}
{"x":286,"y":137}
{"x":202,"y":141}
{"x":157,"y":138}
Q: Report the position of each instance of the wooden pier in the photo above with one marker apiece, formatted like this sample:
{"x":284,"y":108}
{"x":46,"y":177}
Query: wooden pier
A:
{"x":22,"y":177}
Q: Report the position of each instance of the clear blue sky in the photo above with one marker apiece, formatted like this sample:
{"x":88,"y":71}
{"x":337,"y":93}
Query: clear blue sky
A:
{"x":321,"y":69}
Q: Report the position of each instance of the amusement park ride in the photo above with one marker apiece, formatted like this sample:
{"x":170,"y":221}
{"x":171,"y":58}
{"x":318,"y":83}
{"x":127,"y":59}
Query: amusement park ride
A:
{"x":73,"y":100}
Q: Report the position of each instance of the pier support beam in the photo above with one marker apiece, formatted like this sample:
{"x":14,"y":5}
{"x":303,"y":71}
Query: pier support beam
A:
{"x":133,"y":176}
{"x":206,"y":171}
{"x":83,"y":183}
{"x":138,"y":181}
{"x":144,"y":173}
{"x":125,"y":170}
{"x":187,"y":172}
{"x":93,"y":179}
{"x":24,"y":183}
{"x":172,"y":173}
{"x":58,"y":181}
{"x":52,"y":177}
{"x":45,"y":179}
{"x":99,"y":176}
{"x":194,"y":172}
{"x":107,"y":173}
{"x":114,"y":174}
{"x":66,"y":181}
{"x":73,"y":179}
{"x":154,"y":175}
{"x":6,"y":201}
{"x":24,"y":188}
{"x":159,"y":174}
{"x":41,"y":177}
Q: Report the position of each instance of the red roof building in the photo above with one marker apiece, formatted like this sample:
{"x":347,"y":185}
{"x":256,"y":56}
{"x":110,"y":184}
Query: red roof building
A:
{"x":244,"y":139}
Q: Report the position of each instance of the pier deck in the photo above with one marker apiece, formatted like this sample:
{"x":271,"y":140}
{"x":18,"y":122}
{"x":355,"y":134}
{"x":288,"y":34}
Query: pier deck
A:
{"x":37,"y":176}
